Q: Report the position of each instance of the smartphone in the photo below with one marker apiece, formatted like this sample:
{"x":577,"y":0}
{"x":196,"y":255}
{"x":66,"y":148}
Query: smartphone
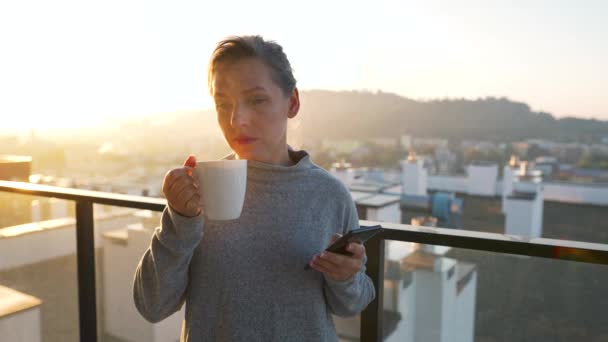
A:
{"x":360,"y":235}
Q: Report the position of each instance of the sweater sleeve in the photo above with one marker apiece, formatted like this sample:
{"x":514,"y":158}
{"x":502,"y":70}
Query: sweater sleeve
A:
{"x":161,"y":278}
{"x":350,"y":297}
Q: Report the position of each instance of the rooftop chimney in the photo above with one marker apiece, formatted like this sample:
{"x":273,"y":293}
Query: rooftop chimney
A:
{"x":413,"y":175}
{"x":508,"y":177}
{"x":523,"y":207}
{"x":343,"y":171}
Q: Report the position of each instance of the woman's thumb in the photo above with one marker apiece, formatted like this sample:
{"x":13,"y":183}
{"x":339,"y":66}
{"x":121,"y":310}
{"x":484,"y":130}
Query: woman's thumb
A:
{"x":335,"y":237}
{"x":190,"y":161}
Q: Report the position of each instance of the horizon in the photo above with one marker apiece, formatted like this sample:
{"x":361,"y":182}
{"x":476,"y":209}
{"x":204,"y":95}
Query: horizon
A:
{"x":74,"y":65}
{"x":107,"y":122}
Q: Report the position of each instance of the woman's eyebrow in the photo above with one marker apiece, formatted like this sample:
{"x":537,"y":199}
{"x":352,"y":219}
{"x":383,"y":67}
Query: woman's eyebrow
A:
{"x":219,"y":94}
{"x":253,"y":89}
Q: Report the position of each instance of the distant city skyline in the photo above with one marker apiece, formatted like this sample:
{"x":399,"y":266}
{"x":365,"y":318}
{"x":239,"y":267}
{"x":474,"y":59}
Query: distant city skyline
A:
{"x":70,"y":63}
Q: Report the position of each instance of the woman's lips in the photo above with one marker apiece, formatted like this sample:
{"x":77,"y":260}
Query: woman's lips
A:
{"x":245,"y":141}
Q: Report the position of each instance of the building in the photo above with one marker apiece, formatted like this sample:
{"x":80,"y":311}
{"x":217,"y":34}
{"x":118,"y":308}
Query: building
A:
{"x":15,"y":168}
{"x":15,"y":209}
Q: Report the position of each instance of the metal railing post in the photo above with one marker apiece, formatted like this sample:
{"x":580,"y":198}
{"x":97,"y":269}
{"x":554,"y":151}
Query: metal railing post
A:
{"x":372,"y":317}
{"x":85,"y":249}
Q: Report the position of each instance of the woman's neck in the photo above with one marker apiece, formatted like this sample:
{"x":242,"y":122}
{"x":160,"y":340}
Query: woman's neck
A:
{"x":280,"y":158}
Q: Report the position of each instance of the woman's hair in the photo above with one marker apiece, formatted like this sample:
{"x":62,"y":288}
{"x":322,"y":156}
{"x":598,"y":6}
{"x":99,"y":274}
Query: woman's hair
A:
{"x":235,"y":48}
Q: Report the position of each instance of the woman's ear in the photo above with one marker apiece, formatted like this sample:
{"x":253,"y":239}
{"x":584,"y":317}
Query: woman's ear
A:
{"x":294,"y":104}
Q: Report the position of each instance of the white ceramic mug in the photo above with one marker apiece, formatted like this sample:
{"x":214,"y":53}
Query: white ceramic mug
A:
{"x":222,"y":184}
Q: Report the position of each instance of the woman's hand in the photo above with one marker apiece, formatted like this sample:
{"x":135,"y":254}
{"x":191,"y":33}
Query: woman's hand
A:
{"x":337,"y":266}
{"x":181,"y":189}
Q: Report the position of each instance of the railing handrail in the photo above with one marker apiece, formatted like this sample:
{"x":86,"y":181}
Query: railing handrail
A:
{"x":108,"y":198}
{"x":586,"y":252}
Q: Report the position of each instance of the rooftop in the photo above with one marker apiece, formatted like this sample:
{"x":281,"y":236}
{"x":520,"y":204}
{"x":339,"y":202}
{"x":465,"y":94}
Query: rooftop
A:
{"x":378,"y":200}
{"x":12,"y":302}
{"x":5,"y":158}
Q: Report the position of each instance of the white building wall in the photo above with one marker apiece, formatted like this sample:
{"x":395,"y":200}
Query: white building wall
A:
{"x":435,"y":304}
{"x":465,"y":312}
{"x":23,"y":326}
{"x":53,"y":239}
{"x":36,"y":247}
{"x":406,"y":305}
{"x":482,"y":179}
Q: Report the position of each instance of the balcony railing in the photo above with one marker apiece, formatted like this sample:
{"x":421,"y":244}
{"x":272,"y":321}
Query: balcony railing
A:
{"x":371,"y":318}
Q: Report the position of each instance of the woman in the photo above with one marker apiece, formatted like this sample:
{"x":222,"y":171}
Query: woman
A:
{"x":244,"y":279}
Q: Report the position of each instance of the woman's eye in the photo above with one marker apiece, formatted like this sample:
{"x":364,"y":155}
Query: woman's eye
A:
{"x":222,"y":106}
{"x":257,"y":100}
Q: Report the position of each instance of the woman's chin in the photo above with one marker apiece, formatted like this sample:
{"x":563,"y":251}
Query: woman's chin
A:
{"x":241,"y":154}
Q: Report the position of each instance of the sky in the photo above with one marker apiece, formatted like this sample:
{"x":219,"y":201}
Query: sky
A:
{"x":78,"y":63}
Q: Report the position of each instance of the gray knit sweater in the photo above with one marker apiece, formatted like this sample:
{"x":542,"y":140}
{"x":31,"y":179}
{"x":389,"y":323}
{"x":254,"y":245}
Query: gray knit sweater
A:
{"x":244,"y":279}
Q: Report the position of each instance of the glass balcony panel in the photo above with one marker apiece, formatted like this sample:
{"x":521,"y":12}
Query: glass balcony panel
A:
{"x":38,"y":269}
{"x":435,"y":293}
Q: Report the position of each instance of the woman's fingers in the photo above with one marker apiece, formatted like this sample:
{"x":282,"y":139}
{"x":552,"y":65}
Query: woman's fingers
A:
{"x":192,"y":205}
{"x":190,"y":161}
{"x":325,"y":270}
{"x":184,"y":185}
{"x":176,"y":178}
{"x":181,"y":189}
{"x":336,"y":266}
{"x":341,"y":261}
{"x":357,"y":249}
{"x":186,"y":195}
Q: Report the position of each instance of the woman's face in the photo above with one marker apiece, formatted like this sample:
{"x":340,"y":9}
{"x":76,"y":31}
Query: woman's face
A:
{"x":252,"y":110}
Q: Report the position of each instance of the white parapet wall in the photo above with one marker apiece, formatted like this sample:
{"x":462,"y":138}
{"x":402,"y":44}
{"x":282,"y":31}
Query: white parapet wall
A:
{"x":449,"y":183}
{"x":39,"y":241}
{"x":381,"y":207}
{"x":123,"y":249}
{"x":596,"y":194}
{"x":19,"y":316}
{"x":466,"y":293}
{"x":482,"y":179}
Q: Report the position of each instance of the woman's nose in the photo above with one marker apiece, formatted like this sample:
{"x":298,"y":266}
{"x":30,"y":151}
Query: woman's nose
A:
{"x":240,"y":116}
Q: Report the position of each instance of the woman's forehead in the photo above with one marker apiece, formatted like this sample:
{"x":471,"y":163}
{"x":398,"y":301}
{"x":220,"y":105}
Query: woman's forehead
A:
{"x":241,"y":76}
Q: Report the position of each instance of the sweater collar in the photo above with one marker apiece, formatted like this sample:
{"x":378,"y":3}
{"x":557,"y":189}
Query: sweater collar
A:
{"x":301,"y":160}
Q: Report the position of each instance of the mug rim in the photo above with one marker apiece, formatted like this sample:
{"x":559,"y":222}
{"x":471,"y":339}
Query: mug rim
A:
{"x":227,"y":163}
